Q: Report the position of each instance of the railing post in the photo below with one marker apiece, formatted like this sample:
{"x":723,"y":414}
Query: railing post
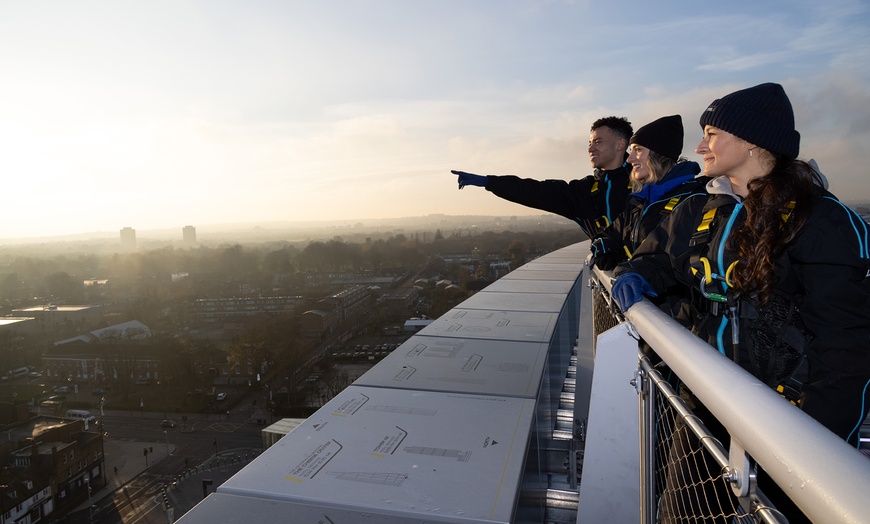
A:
{"x":646,"y":397}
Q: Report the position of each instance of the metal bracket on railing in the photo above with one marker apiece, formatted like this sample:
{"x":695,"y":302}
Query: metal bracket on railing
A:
{"x":594,"y":284}
{"x":632,"y":331}
{"x":741,"y":474}
{"x":580,"y":432}
{"x":639,"y":382}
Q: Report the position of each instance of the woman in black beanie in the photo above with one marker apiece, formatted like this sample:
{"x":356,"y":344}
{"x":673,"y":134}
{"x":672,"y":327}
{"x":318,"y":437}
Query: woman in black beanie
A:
{"x":661,"y":179}
{"x":777,"y":267}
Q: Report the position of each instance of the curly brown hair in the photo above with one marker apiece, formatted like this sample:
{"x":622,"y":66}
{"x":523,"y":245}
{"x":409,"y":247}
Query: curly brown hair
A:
{"x":771,"y":223}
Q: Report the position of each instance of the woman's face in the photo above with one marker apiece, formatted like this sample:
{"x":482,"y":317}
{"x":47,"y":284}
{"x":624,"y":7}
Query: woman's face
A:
{"x":638,"y":157}
{"x":723,"y":153}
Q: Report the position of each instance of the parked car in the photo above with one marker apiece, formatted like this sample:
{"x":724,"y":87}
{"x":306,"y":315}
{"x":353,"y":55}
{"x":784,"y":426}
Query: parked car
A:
{"x":221,"y":396}
{"x":167,"y":424}
{"x":61,"y":389}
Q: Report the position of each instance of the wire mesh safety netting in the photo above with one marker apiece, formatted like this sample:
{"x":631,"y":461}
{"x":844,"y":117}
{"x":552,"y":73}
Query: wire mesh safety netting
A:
{"x":690,"y":474}
{"x":691,"y":485}
{"x":604,"y":314}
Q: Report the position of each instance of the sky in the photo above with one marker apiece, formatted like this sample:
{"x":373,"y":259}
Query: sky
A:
{"x":160,"y":114}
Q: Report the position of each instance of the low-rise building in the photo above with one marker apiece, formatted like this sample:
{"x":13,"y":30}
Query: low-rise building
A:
{"x":62,"y":319}
{"x":22,"y":325}
{"x":102,"y":354}
{"x":26,"y":496}
{"x":96,"y":363}
{"x":334,"y":310}
{"x":402,"y":300}
{"x":220,"y":309}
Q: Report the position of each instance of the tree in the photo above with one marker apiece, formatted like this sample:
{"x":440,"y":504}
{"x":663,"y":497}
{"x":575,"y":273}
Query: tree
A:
{"x":62,"y":287}
{"x":12,"y":288}
{"x":517,"y":251}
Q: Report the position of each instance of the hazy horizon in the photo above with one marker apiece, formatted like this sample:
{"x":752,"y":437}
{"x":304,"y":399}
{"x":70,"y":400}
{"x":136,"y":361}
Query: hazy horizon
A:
{"x":163,"y":114}
{"x":294,"y":231}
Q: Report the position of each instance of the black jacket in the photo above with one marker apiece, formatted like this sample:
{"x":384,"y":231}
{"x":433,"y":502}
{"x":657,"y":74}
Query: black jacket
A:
{"x":644,"y":211}
{"x":593,"y":202}
{"x":825,"y":270}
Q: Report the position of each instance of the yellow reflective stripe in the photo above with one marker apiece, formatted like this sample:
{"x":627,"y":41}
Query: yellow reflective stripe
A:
{"x":672,"y":203}
{"x":627,"y":252}
{"x":705,"y":222}
{"x":594,"y":187}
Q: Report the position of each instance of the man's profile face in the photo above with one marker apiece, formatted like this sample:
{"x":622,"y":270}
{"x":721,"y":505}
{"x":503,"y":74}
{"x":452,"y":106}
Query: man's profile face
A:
{"x":606,"y":148}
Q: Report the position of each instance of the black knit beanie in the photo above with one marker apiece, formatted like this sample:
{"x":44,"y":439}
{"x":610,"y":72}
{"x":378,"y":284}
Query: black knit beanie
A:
{"x":761,"y":115}
{"x":664,"y":136}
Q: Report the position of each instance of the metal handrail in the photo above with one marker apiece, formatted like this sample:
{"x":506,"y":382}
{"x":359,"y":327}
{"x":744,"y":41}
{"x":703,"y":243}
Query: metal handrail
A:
{"x":824,"y":476}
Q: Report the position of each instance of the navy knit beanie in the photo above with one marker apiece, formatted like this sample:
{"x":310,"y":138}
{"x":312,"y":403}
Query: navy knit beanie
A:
{"x":761,"y":115}
{"x":664,"y":136}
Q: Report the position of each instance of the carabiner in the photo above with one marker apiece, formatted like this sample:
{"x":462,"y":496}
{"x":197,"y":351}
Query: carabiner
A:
{"x":715,"y":297}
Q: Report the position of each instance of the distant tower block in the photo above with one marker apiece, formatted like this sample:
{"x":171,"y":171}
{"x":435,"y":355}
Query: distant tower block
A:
{"x":128,"y":239}
{"x":189,"y":234}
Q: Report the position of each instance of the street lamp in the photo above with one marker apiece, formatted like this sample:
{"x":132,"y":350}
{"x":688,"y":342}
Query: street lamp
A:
{"x":163,"y":395}
{"x":103,"y":435}
{"x":166,"y":434}
{"x":90,"y":506}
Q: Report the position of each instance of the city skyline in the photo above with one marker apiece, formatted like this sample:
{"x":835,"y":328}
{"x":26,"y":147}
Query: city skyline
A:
{"x":160,"y":115}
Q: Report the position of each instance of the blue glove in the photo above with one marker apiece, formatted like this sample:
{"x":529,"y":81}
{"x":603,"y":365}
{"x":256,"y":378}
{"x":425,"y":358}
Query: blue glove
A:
{"x":629,"y":289}
{"x":469,"y":179}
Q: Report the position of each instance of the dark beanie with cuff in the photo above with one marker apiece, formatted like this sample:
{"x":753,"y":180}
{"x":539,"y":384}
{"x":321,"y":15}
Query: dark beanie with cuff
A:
{"x":664,"y":136}
{"x":761,"y":115}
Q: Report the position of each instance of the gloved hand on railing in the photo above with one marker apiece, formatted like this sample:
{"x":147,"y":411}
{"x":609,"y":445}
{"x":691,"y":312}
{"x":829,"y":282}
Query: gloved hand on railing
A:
{"x":629,"y":289}
{"x":469,"y":179}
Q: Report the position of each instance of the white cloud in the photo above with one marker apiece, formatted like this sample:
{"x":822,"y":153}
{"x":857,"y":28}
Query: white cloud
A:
{"x":164,"y":114}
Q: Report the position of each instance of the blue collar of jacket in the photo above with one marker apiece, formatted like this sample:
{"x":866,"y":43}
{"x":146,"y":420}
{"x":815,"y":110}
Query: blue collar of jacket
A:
{"x":678,"y":175}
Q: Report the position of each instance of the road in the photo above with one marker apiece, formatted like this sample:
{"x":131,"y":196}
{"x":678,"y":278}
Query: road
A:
{"x":177,"y":461}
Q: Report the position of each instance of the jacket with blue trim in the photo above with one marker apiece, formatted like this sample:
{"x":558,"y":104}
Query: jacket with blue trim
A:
{"x":644,"y":211}
{"x":827,"y":266}
{"x":592,"y":202}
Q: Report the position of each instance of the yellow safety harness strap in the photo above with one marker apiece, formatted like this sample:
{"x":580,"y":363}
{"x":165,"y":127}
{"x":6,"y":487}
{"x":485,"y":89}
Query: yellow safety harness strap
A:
{"x":672,"y":203}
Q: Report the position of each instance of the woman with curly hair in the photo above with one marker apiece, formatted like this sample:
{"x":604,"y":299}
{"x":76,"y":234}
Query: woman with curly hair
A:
{"x":778,"y":270}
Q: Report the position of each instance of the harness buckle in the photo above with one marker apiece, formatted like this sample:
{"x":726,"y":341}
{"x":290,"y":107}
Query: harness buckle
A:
{"x":602,"y":222}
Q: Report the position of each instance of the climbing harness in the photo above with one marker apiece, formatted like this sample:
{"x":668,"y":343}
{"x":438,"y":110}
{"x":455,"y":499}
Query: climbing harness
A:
{"x":775,"y":338}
